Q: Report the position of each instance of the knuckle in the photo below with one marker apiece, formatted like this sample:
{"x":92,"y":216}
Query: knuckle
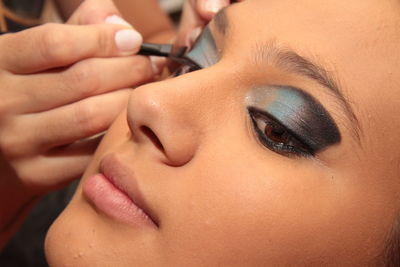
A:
{"x":24,"y":173}
{"x":11,"y":146}
{"x":16,"y":143}
{"x":54,"y":44}
{"x":142,"y":64}
{"x":90,"y":14}
{"x":88,"y":119}
{"x":104,"y":41}
{"x":27,"y":171}
{"x":142,"y":67}
{"x":5,"y":107}
{"x":82,"y":79}
{"x":10,"y":100}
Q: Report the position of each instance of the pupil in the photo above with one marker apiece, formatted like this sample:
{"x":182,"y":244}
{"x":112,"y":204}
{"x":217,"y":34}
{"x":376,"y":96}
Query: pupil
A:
{"x":275,"y":133}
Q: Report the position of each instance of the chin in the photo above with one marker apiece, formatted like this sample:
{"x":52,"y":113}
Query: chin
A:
{"x":65,"y":245}
{"x":82,"y":237}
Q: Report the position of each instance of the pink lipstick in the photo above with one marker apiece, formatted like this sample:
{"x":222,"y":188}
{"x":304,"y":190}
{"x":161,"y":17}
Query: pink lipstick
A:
{"x":114,"y":192}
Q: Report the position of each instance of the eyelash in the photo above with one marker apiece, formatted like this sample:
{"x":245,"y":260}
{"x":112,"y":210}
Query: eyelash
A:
{"x":183,"y":70}
{"x":277,"y":137}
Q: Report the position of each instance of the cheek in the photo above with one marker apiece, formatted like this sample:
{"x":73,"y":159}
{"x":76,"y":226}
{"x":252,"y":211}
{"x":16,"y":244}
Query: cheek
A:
{"x":236,"y":207}
{"x":244,"y":207}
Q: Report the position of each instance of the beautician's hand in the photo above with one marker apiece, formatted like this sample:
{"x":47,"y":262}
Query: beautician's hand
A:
{"x":59,"y":84}
{"x":196,"y":14}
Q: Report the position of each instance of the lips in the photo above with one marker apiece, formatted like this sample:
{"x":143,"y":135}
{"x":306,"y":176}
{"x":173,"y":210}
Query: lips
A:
{"x":115,"y":192}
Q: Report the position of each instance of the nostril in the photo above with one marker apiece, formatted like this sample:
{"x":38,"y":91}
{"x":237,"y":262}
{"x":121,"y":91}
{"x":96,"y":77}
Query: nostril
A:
{"x":152,"y":136}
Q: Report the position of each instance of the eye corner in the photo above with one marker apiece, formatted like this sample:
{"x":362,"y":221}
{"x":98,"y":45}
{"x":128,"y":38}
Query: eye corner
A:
{"x":184,"y":69}
{"x":297,"y":149}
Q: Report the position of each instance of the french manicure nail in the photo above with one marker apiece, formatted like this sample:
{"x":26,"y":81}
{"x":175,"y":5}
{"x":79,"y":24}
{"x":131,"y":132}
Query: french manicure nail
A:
{"x":128,"y":40}
{"x":114,"y":19}
{"x":213,"y":6}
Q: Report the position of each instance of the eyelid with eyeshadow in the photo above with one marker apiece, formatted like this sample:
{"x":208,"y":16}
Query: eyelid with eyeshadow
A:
{"x":298,"y":112}
{"x":204,"y":50}
{"x":293,"y":108}
{"x":277,"y":137}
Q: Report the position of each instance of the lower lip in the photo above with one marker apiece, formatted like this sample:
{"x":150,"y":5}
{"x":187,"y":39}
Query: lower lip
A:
{"x":114,"y":203}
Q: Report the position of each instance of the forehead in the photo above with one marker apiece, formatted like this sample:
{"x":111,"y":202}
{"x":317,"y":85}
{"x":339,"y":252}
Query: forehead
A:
{"x":334,"y":29}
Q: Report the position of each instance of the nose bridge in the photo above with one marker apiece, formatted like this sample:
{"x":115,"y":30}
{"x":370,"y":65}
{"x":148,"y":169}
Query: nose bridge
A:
{"x":171,"y":115}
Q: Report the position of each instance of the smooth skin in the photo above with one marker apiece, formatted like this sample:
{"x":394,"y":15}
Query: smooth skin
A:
{"x":221,"y":197}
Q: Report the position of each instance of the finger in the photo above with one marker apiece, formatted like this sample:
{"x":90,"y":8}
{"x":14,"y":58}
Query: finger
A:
{"x":87,"y":78}
{"x":82,"y":119}
{"x":208,"y":8}
{"x":52,"y":171}
{"x":37,"y":133}
{"x":56,"y":45}
{"x":190,"y":21}
{"x":93,"y":12}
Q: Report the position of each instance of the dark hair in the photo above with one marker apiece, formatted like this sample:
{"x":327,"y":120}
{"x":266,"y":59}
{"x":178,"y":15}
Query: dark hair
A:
{"x":391,"y":253}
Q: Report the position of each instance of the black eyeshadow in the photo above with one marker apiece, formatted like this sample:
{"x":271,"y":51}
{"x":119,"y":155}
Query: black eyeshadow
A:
{"x":300,"y":113}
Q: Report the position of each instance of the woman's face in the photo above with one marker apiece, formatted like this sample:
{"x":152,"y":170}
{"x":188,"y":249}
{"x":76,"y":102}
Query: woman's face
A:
{"x":284,"y":151}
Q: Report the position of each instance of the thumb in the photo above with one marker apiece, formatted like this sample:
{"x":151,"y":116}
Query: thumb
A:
{"x":190,"y":20}
{"x":93,"y":12}
{"x":208,"y":8}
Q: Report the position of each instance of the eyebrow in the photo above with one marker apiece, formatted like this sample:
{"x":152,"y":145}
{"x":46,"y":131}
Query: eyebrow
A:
{"x":293,"y":62}
{"x":221,"y":21}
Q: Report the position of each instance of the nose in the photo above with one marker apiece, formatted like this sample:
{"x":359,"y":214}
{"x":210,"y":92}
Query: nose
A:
{"x":164,"y":119}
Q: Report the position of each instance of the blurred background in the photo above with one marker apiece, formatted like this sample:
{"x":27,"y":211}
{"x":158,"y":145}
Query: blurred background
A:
{"x":16,"y":15}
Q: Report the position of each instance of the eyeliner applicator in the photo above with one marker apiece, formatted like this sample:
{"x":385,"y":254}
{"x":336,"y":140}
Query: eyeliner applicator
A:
{"x":176,"y":53}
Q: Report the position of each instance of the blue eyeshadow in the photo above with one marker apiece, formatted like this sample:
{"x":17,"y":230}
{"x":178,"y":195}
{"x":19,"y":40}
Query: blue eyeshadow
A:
{"x":299,"y":112}
{"x":204,"y":51}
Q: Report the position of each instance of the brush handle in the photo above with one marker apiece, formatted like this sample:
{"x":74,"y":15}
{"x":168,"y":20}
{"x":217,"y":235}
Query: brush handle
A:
{"x":160,"y":50}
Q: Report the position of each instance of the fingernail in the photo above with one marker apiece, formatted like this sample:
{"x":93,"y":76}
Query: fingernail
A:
{"x":128,"y":40}
{"x":114,"y":19}
{"x":213,"y":6}
{"x":157,"y":63}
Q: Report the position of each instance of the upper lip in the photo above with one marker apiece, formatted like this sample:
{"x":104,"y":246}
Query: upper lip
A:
{"x":122,"y":177}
